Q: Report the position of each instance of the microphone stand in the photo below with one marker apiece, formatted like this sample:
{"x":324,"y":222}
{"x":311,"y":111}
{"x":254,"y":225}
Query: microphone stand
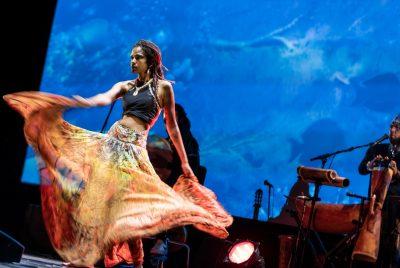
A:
{"x":324,"y":157}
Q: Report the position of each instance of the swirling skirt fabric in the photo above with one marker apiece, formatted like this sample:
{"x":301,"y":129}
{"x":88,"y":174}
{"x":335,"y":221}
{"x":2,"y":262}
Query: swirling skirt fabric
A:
{"x":100,"y":193}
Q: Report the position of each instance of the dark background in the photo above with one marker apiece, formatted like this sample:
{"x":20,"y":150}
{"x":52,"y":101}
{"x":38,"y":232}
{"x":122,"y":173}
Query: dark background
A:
{"x":25,"y":30}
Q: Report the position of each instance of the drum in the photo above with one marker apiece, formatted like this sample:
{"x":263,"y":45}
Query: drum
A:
{"x":330,"y":218}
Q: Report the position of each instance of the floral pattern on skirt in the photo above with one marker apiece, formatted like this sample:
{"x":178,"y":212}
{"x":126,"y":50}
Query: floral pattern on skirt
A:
{"x":100,"y":193}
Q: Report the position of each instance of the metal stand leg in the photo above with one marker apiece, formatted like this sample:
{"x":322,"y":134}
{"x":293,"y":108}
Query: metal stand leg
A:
{"x":310,"y":221}
{"x":347,"y":243}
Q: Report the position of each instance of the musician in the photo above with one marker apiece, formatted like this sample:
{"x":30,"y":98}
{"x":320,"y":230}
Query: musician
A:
{"x":389,"y":251}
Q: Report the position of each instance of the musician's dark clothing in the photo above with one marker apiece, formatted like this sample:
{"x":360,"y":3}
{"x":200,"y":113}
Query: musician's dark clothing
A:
{"x":379,"y":149}
{"x":192,"y":152}
{"x":191,"y":148}
{"x":389,"y":250}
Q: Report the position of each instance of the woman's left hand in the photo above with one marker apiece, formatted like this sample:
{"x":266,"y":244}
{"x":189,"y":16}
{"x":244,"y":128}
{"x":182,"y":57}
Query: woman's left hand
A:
{"x":187,"y":170}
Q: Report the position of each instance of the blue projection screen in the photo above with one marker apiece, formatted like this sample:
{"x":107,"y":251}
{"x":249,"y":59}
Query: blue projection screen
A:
{"x":266,"y":84}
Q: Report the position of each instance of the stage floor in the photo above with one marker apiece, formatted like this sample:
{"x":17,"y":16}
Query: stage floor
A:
{"x":30,"y":261}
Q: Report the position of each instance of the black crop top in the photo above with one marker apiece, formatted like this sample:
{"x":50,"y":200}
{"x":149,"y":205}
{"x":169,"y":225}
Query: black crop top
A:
{"x":141,"y":102}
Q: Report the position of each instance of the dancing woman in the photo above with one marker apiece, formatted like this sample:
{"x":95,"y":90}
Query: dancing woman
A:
{"x":100,"y":193}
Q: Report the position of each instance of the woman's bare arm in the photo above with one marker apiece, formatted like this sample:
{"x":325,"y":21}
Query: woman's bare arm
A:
{"x":104,"y":98}
{"x":168,"y":103}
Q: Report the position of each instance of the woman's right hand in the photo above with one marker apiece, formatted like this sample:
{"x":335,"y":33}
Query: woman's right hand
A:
{"x":83,"y":102}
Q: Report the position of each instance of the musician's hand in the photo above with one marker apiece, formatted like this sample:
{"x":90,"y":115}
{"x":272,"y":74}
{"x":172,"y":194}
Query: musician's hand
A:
{"x":371,"y":164}
{"x":187,"y":170}
{"x":393,"y":166}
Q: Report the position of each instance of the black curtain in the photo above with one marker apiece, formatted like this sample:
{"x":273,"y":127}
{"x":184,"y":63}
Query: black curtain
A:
{"x":25,"y":30}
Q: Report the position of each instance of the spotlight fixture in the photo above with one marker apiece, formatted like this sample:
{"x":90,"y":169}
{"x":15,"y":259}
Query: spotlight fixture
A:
{"x":244,"y":254}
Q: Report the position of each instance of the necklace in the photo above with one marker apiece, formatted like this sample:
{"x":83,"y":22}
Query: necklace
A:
{"x":142,"y":86}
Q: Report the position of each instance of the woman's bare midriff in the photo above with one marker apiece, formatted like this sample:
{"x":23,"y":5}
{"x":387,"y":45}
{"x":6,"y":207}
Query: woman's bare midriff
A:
{"x":134,"y":123}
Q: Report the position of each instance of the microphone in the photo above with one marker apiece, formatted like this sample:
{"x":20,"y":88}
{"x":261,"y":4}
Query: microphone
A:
{"x":384,"y":137}
{"x":267,"y":183}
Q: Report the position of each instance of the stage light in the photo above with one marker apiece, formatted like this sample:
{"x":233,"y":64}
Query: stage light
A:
{"x":241,"y":252}
{"x":244,"y":253}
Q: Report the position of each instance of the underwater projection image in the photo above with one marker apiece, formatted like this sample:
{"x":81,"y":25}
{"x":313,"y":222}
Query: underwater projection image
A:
{"x":267,"y":85}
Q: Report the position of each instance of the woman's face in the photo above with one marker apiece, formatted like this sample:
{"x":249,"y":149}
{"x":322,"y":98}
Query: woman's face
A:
{"x":138,"y":60}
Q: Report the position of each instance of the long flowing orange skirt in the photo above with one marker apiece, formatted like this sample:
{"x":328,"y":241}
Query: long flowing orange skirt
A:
{"x":100,"y":194}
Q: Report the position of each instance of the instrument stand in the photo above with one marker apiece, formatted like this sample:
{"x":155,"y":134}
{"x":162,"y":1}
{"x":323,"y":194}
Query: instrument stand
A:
{"x":300,"y":246}
{"x":269,"y":202}
{"x":257,"y":204}
{"x":300,"y":233}
{"x":347,"y":244}
{"x":306,"y":238}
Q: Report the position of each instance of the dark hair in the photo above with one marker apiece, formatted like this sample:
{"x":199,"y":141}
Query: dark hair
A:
{"x":396,"y":121}
{"x":153,"y":58}
{"x":182,"y":119}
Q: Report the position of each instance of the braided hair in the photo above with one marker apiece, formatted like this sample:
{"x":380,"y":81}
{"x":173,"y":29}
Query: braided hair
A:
{"x":153,"y":59}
